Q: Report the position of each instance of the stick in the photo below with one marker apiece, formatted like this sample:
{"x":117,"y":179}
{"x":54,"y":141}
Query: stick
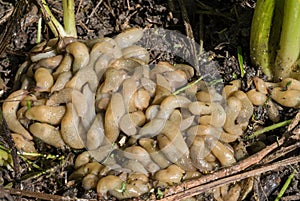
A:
{"x":202,"y":188}
{"x":43,"y":196}
{"x":242,"y":165}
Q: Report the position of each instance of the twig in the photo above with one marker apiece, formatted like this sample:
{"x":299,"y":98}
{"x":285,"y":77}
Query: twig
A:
{"x":79,"y":7}
{"x":95,"y":9}
{"x":43,"y":196}
{"x":186,"y":21}
{"x":280,"y":153}
{"x":294,"y":122}
{"x":201,"y":34}
{"x":242,"y":165}
{"x":220,"y":182}
{"x":291,"y":197}
{"x":190,"y":35}
{"x":6,"y":196}
{"x":9,"y":12}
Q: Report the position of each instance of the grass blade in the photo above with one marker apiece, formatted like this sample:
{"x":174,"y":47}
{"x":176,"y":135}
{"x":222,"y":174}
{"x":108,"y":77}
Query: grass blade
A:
{"x":285,"y":186}
{"x":241,"y":60}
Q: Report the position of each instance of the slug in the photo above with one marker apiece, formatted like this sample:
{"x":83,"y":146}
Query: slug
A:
{"x":69,"y":128}
{"x":61,"y":81}
{"x":47,"y":133}
{"x":46,"y":114}
{"x":130,"y":121}
{"x":156,"y":155}
{"x":103,"y":96}
{"x":50,"y":63}
{"x":114,"y":113}
{"x":95,"y":134}
{"x":171,"y":175}
{"x":80,"y":53}
{"x":288,"y":98}
{"x":44,"y":80}
{"x":9,"y":111}
{"x":64,"y":66}
{"x":129,"y":37}
{"x":136,"y":53}
{"x":141,"y":155}
{"x":23,"y":144}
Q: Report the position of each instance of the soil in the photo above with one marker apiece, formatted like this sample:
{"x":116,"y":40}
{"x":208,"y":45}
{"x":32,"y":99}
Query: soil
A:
{"x":223,"y":26}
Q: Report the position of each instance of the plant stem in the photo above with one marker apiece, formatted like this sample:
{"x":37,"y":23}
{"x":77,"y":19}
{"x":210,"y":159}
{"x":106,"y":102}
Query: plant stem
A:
{"x":285,"y":64}
{"x":69,"y":18}
{"x":56,"y":28}
{"x":69,"y":29}
{"x":178,"y":91}
{"x":260,"y":33}
{"x":39,"y":31}
{"x":269,"y":128}
{"x":276,"y":31}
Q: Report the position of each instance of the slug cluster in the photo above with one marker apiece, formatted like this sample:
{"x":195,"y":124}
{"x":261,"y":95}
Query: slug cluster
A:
{"x":103,"y":96}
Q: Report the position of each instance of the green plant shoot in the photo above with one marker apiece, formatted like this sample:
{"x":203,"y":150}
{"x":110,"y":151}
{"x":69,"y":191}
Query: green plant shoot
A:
{"x":69,"y":29}
{"x":260,"y":34}
{"x":288,"y":54}
{"x":275,"y":38}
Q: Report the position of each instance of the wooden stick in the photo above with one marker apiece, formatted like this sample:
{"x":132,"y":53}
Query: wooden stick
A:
{"x":242,"y":165}
{"x":43,"y":196}
{"x":220,"y":182}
